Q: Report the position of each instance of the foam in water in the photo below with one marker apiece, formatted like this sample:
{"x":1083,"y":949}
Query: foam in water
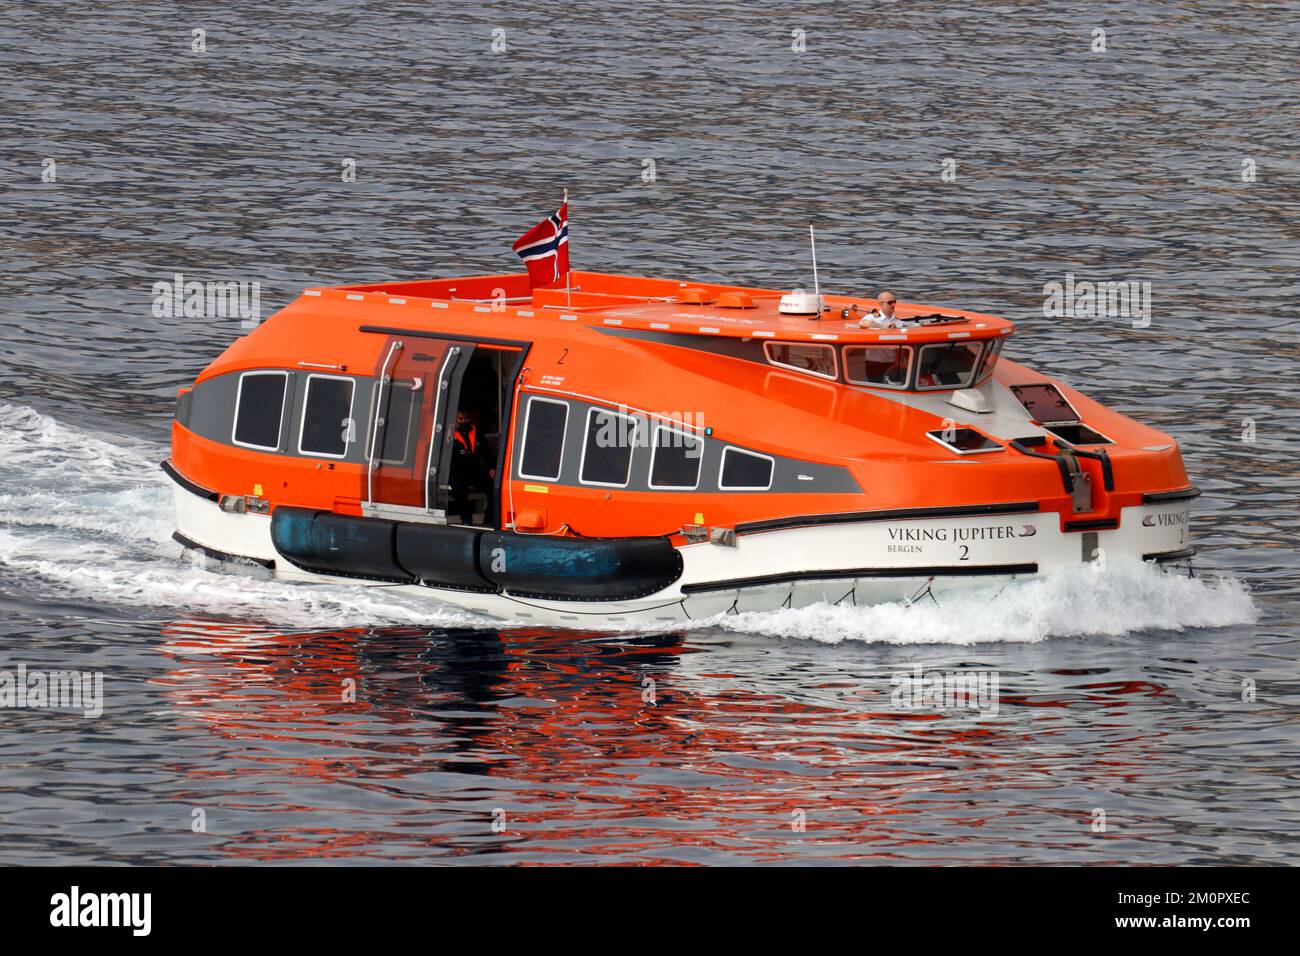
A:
{"x":86,"y":518}
{"x":39,"y":451}
{"x":93,"y":519}
{"x":1126,"y":597}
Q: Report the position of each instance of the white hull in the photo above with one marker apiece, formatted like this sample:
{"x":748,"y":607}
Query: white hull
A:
{"x":858,"y":562}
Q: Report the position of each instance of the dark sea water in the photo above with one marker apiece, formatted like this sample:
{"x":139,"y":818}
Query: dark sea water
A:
{"x":1171,"y":704}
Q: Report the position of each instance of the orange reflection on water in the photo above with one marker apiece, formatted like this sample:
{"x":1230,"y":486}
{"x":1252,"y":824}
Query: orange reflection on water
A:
{"x":577,"y":746}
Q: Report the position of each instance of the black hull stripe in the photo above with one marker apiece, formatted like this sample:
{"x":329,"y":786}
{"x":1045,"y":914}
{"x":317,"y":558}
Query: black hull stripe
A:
{"x":954,"y":571}
{"x":1182,"y":494}
{"x":185,"y":483}
{"x":1169,"y":555}
{"x":1096,"y":524}
{"x":578,"y":612}
{"x":896,"y":514}
{"x":219,"y":555}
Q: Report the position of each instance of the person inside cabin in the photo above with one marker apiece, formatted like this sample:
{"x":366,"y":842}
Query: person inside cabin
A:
{"x":473,"y":468}
{"x":884,"y":316}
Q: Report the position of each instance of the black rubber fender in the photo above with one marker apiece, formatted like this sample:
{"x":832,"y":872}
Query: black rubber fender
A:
{"x":538,"y":566}
{"x":342,"y":545}
{"x":442,"y":556}
{"x":582,"y":569}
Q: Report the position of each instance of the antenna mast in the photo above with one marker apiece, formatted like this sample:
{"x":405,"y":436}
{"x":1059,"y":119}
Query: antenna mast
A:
{"x":817,"y":289}
{"x":799,"y":302}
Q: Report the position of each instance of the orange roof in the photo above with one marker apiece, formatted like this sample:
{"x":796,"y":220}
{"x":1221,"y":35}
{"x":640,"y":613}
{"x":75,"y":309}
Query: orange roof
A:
{"x":637,"y":302}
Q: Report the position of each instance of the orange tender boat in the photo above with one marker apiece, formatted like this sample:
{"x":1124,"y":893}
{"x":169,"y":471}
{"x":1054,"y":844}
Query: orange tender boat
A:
{"x":656,"y":451}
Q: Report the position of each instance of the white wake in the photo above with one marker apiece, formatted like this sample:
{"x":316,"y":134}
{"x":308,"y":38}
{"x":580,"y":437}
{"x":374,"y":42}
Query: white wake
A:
{"x":1126,"y":597}
{"x":89,"y":518}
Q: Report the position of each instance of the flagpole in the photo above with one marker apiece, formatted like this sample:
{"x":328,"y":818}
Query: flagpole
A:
{"x":568,"y":288}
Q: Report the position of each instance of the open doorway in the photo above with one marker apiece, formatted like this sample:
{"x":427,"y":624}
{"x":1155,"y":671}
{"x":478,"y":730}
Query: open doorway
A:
{"x":478,"y":443}
{"x":438,"y":420}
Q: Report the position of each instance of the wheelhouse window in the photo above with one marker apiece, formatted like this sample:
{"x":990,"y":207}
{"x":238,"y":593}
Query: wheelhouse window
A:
{"x":886,"y":366}
{"x":675,"y":460}
{"x":990,"y":359}
{"x":814,"y":359}
{"x":745,"y":471}
{"x":326,"y":416}
{"x":259,"y":410}
{"x":543,"y":448}
{"x":947,"y":365}
{"x":607,"y":448}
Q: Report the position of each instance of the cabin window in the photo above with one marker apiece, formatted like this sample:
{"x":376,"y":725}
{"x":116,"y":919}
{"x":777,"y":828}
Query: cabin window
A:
{"x":884,"y":365}
{"x":607,"y":450}
{"x":543,"y":447}
{"x":990,"y":359}
{"x":948,"y":365}
{"x":675,"y":460}
{"x":745,"y":471}
{"x":399,"y":423}
{"x":964,"y":441}
{"x":326,"y":416}
{"x":814,"y":359}
{"x":259,"y":409}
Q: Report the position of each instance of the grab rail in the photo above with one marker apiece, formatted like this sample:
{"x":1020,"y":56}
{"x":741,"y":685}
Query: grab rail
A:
{"x":1107,"y":476}
{"x":374,"y":428}
{"x":1075,"y":480}
{"x":434,"y":437}
{"x":1067,"y":477}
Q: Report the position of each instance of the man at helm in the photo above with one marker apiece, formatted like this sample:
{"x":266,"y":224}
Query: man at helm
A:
{"x":884,"y":316}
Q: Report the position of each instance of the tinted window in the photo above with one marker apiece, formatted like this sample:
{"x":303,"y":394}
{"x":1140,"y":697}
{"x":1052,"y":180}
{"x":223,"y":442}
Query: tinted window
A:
{"x":817,"y":359}
{"x":259,"y":408}
{"x":607,"y":451}
{"x":877,"y":364}
{"x":990,"y":359}
{"x":676,"y":462}
{"x":325,"y":415}
{"x":740,"y":469}
{"x":399,"y":422}
{"x":948,"y":366}
{"x":543,"y":439}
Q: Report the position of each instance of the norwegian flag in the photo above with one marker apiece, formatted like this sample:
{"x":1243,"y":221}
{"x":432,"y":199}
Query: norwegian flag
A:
{"x":545,"y":249}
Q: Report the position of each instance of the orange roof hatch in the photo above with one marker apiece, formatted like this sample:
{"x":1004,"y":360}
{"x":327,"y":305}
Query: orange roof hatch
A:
{"x":735,"y":300}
